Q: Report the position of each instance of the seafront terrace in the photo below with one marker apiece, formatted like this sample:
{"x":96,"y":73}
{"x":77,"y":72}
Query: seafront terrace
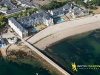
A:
{"x":65,"y":26}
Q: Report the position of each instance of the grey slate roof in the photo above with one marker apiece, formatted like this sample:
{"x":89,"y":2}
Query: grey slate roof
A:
{"x":27,"y":2}
{"x":17,"y":25}
{"x":15,"y":10}
{"x":9,"y":4}
{"x":33,"y":19}
{"x":79,"y":11}
{"x":67,"y":6}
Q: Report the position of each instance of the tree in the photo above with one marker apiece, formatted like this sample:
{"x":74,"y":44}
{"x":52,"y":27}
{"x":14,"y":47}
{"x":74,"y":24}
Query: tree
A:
{"x":52,"y":5}
{"x":2,"y":18}
{"x":35,"y":9}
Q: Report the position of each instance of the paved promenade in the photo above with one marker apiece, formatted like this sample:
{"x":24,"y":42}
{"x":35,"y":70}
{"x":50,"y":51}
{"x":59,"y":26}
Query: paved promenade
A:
{"x":64,"y":26}
{"x":46,"y":58}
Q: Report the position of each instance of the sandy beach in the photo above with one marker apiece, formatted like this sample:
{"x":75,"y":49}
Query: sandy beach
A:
{"x":66,"y":33}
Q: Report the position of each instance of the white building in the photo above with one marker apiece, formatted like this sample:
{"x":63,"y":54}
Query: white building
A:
{"x":60,"y":11}
{"x":78,"y":12}
{"x":22,"y":32}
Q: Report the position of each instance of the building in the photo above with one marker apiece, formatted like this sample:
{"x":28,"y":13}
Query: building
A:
{"x":25,"y":3}
{"x":3,"y":9}
{"x":60,"y":11}
{"x":9,"y":4}
{"x":22,"y":32}
{"x":9,"y":12}
{"x":34,"y":19}
{"x":20,"y":25}
{"x":68,"y":8}
{"x":7,"y":7}
{"x":78,"y":12}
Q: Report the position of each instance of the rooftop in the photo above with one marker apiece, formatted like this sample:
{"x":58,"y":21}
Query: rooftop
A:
{"x":27,"y":2}
{"x":67,"y":6}
{"x":15,"y":10}
{"x":17,"y":25}
{"x":29,"y":20}
{"x":9,"y":4}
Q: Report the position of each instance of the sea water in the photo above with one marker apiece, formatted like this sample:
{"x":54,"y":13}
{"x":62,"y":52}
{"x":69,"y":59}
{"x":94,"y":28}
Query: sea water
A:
{"x":13,"y":68}
{"x":82,"y":49}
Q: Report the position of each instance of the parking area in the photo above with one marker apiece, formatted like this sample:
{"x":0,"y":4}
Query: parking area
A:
{"x":8,"y":34}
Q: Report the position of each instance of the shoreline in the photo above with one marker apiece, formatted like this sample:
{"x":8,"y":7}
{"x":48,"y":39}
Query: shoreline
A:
{"x":56,"y":37}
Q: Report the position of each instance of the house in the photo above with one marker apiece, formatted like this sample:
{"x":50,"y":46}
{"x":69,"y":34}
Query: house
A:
{"x":9,"y":12}
{"x":34,"y":19}
{"x":77,"y":12}
{"x":7,"y":7}
{"x":60,"y":11}
{"x":21,"y":31}
{"x":25,"y":3}
{"x":9,"y":4}
{"x":3,"y":9}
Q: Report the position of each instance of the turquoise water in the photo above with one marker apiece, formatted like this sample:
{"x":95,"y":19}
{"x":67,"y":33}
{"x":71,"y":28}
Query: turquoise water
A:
{"x":61,"y":20}
{"x":83,"y":49}
{"x":34,"y":30}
